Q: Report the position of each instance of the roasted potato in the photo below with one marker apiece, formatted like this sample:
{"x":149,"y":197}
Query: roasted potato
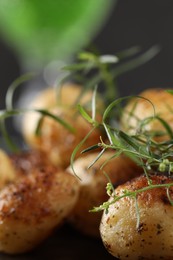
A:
{"x":55,"y":140}
{"x":155,"y":102}
{"x":93,"y":183}
{"x":32,"y":207}
{"x":153,"y":237}
{"x":65,"y":95}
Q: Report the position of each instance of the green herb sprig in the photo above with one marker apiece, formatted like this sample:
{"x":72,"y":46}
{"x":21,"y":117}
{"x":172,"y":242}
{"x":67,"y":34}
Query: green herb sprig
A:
{"x":152,"y":156}
{"x":93,"y":69}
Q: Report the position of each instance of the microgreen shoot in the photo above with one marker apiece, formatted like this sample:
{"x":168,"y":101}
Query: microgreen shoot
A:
{"x":153,"y":156}
{"x":127,"y":193}
{"x":85,"y":115}
{"x":13,"y":147}
{"x":44,"y":112}
{"x":91,"y":148}
{"x":76,"y":150}
{"x":128,"y":53}
{"x":5,"y":114}
{"x":106,"y":69}
{"x":136,"y":62}
{"x":168,"y":195}
{"x":97,"y":69}
{"x":96,"y":159}
{"x":137,"y":212}
{"x":11,"y":89}
{"x":93,"y":108}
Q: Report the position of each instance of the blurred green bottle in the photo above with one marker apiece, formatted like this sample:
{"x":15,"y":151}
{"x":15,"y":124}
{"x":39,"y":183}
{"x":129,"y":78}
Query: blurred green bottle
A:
{"x":44,"y":30}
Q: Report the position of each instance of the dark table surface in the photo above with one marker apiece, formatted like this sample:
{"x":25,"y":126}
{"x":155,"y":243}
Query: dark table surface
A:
{"x":66,"y":244}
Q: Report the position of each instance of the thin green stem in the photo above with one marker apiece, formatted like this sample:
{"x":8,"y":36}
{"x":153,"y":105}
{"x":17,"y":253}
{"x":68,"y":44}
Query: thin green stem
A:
{"x":126,"y":193}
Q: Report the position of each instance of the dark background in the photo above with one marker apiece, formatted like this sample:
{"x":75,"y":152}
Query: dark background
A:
{"x":132,"y":22}
{"x":144,"y":23}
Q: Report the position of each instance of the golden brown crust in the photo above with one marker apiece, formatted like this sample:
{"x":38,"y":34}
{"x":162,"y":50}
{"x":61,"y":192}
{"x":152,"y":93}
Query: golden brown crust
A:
{"x":152,"y":196}
{"x":19,"y":198}
{"x":25,"y":162}
{"x":33,"y":206}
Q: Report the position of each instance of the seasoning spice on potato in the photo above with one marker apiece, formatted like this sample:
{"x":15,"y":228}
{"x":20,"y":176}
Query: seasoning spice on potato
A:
{"x":24,"y":162}
{"x":35,"y":199}
{"x":32,"y":207}
{"x":153,"y":237}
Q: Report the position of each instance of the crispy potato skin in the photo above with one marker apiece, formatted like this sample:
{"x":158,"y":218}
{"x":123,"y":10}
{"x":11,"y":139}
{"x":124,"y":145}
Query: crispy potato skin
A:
{"x":137,"y":109}
{"x":32,"y":207}
{"x":93,"y":187}
{"x":154,"y":237}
